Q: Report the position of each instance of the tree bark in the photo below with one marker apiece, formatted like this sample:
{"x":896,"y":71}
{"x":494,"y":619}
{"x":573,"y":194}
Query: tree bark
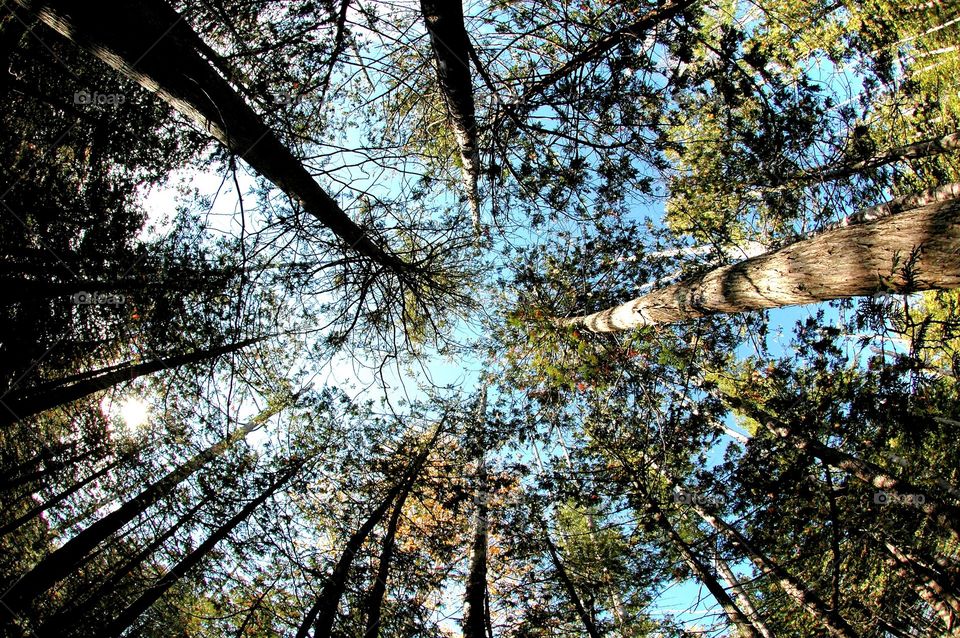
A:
{"x":20,"y":405}
{"x":912,"y":251}
{"x":150,"y":43}
{"x":126,"y":618}
{"x":322,"y":614}
{"x":374,"y":603}
{"x":585,"y":618}
{"x":72,"y":615}
{"x":60,"y":563}
{"x":451,"y":51}
{"x":475,"y":618}
{"x":742,"y":597}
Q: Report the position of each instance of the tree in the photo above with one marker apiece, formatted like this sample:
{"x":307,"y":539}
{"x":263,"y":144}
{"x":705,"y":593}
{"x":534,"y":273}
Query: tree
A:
{"x":911,"y":251}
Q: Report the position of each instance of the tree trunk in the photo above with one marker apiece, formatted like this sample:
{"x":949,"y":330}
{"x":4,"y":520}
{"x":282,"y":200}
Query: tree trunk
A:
{"x":322,"y":614}
{"x":742,"y":597}
{"x":61,"y":562}
{"x":72,"y":615}
{"x":702,"y":572}
{"x":374,"y":604}
{"x":929,"y":587}
{"x":475,"y":618}
{"x":806,"y":598}
{"x":451,"y":50}
{"x":150,"y":43}
{"x":126,"y":618}
{"x":39,"y":508}
{"x":912,"y":251}
{"x":585,"y":618}
{"x":20,"y":405}
{"x":925,"y":148}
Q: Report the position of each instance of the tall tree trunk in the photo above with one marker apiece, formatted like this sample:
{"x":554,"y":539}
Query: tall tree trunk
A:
{"x":805,"y":597}
{"x":475,"y":618}
{"x":150,"y":43}
{"x":924,"y":148}
{"x":61,"y":562}
{"x":20,"y":405}
{"x":451,"y":50}
{"x":742,"y":597}
{"x":929,"y":585}
{"x":323,"y":613}
{"x":846,"y":262}
{"x":72,"y":614}
{"x":700,"y":570}
{"x":374,"y":602}
{"x":126,"y":618}
{"x":571,"y":590}
{"x":41,"y":507}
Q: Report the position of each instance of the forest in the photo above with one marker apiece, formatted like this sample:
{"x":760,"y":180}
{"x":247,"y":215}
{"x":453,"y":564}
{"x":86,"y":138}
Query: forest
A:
{"x":501,"y":319}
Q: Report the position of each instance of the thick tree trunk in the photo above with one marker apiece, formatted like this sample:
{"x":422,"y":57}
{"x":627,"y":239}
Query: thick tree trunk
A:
{"x":742,"y":597}
{"x":374,"y":603}
{"x":571,"y":590}
{"x":150,"y":43}
{"x":451,"y":50}
{"x":72,"y":615}
{"x":323,"y":613}
{"x":475,"y":618}
{"x":912,"y":251}
{"x":127,"y":617}
{"x":20,"y":405}
{"x":61,"y":562}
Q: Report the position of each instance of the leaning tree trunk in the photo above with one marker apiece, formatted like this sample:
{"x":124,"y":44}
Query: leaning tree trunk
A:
{"x":150,"y":43}
{"x":589,"y":626}
{"x":127,"y":617}
{"x":43,"y":506}
{"x":936,"y":510}
{"x":702,"y":572}
{"x":911,"y":251}
{"x":451,"y":50}
{"x":322,"y":614}
{"x":927,"y":585}
{"x":374,"y":603}
{"x":742,"y":597}
{"x":804,"y":597}
{"x":924,"y":148}
{"x":60,"y":563}
{"x":26,"y":403}
{"x":72,"y":614}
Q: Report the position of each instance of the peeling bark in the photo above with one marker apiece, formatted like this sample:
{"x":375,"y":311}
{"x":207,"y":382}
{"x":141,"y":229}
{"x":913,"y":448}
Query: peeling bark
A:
{"x":913,"y":251}
{"x":451,"y":51}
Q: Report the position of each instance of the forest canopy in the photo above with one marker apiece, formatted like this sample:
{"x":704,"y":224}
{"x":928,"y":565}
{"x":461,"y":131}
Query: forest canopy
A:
{"x":518,"y":319}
